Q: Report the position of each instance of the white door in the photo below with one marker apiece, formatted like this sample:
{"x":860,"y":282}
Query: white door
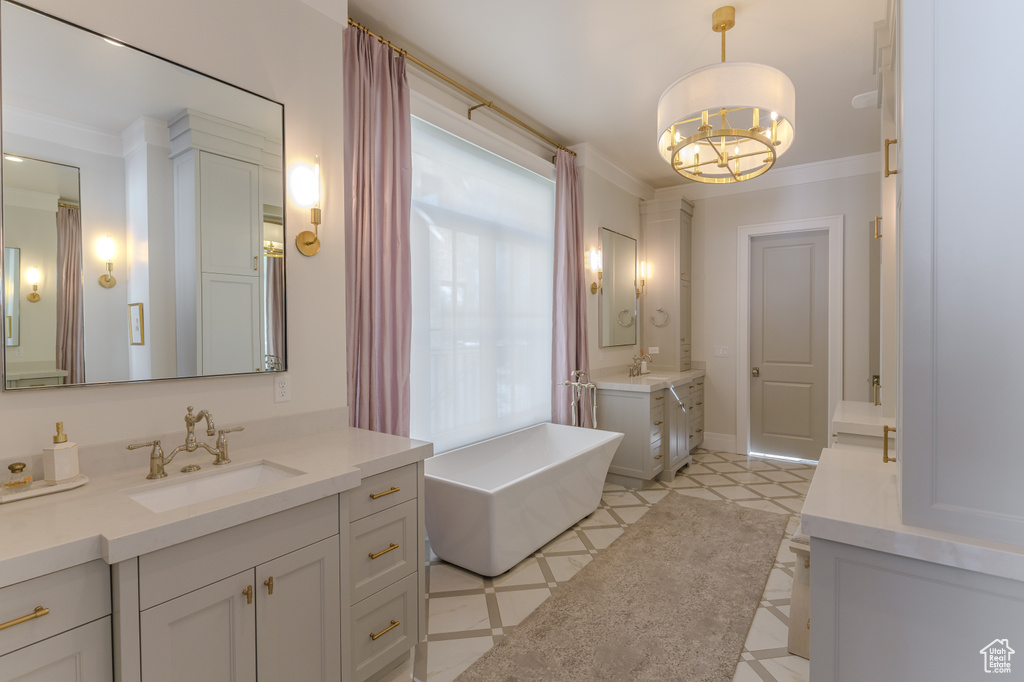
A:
{"x":789,"y":344}
{"x":208,"y":634}
{"x":231,"y":215}
{"x":232,"y":342}
{"x":297,"y":618}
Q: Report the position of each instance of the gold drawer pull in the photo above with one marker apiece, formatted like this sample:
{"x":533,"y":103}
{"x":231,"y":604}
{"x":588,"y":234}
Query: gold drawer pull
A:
{"x":699,"y":430}
{"x":878,"y":234}
{"x":886,"y":430}
{"x":394,"y":624}
{"x":269,"y":582}
{"x":247,"y":592}
{"x":383,"y":551}
{"x":658,"y":423}
{"x":888,"y":172}
{"x":394,"y":489}
{"x":660,"y":397}
{"x":38,"y":613}
{"x":658,"y":457}
{"x":701,"y":403}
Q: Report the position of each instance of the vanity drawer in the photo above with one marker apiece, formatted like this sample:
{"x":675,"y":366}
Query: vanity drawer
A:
{"x":374,"y":535}
{"x":393,"y":606}
{"x":382,"y":491}
{"x":696,"y":432}
{"x":74,"y":596}
{"x":657,"y":399}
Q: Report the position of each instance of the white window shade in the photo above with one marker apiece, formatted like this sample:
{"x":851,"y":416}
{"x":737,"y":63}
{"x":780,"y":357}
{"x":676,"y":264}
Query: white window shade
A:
{"x":482,"y":260}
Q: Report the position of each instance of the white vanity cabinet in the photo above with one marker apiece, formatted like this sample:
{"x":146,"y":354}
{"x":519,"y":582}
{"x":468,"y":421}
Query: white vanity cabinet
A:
{"x":641,"y":417}
{"x":72,"y":641}
{"x":385,"y":581}
{"x":666,"y":314}
{"x":218,"y":225}
{"x":257,"y":601}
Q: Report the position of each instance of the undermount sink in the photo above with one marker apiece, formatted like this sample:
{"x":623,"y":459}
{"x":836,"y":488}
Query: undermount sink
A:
{"x":204,"y":486}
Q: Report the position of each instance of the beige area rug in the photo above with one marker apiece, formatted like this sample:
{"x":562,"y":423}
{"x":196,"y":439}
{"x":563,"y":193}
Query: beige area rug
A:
{"x":671,"y":599}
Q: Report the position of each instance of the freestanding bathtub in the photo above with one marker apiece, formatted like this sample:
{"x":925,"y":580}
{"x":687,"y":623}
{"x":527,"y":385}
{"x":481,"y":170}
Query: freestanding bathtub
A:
{"x":491,"y":504}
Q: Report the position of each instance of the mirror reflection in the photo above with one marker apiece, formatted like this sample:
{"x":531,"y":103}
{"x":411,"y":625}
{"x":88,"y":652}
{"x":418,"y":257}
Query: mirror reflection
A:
{"x":617,"y":309}
{"x":12,"y":295}
{"x":131,"y":180}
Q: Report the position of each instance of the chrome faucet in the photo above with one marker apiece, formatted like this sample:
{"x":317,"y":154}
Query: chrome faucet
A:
{"x":157,"y":459}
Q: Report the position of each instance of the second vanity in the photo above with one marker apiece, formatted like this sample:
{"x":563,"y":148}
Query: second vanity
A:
{"x":313,"y":573}
{"x":662,"y":417}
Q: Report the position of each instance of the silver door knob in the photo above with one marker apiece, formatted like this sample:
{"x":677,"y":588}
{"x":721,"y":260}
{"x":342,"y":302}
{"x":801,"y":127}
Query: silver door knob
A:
{"x":755,"y":372}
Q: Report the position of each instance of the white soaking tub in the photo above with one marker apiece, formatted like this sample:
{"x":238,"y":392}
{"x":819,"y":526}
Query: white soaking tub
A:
{"x":492,"y":504}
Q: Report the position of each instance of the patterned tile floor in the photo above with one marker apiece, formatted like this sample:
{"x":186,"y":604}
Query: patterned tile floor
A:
{"x":468,"y":614}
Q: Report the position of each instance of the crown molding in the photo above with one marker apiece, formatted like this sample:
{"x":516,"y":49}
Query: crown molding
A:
{"x":588,"y":157}
{"x":832,"y":169}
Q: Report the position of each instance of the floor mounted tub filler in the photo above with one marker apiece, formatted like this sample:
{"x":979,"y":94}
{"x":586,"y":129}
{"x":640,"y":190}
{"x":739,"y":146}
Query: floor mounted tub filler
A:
{"x":491,"y":504}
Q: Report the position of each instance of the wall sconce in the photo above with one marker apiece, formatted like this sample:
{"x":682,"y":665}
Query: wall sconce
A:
{"x":305,"y":187}
{"x":105,"y":250}
{"x":32,"y":277}
{"x":595,"y":266}
{"x":642,"y":277}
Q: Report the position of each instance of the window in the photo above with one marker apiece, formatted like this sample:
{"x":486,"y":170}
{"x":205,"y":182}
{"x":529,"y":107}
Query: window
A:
{"x":482,"y":261}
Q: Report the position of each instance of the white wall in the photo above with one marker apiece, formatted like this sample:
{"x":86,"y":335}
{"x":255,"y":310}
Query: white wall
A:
{"x":714,"y":294}
{"x":292,"y":54}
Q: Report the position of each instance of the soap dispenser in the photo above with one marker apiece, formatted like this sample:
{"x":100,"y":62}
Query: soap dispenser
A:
{"x":60,"y":461}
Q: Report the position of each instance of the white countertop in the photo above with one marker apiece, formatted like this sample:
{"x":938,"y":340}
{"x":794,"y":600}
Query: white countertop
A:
{"x":99,"y":521}
{"x":33,"y":370}
{"x":861,"y":418}
{"x":853,"y":500}
{"x":619,"y":379}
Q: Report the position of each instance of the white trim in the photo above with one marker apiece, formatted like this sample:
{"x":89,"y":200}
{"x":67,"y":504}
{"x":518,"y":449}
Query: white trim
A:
{"x":833,"y":169}
{"x":437,"y":114}
{"x":588,"y":157}
{"x":723,"y":442}
{"x":834,"y":225}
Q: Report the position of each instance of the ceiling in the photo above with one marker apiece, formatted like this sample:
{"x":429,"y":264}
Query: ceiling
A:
{"x":592,"y":70}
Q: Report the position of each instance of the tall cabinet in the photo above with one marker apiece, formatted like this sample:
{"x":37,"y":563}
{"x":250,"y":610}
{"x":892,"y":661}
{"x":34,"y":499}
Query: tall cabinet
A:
{"x":665,"y":222}
{"x":218,"y":220}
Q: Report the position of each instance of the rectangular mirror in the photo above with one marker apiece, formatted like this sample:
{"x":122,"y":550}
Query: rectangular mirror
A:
{"x":617,"y":305}
{"x":129,"y":179}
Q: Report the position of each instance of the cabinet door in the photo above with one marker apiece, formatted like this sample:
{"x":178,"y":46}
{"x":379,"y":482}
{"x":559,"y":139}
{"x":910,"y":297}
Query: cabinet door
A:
{"x":232,"y":342}
{"x":230,"y":215}
{"x":299,"y":617}
{"x":78,"y":655}
{"x":208,"y":634}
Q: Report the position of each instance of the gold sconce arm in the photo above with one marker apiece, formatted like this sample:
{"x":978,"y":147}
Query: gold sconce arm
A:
{"x":599,"y":284}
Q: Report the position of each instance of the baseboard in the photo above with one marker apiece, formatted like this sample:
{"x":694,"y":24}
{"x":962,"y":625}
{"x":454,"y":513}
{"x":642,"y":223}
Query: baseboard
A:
{"x":724,"y":442}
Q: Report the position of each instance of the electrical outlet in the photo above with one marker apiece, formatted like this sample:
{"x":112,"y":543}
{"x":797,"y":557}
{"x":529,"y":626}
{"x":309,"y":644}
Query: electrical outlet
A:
{"x":721,"y":351}
{"x":18,"y":352}
{"x":653,"y":350}
{"x":282,"y":388}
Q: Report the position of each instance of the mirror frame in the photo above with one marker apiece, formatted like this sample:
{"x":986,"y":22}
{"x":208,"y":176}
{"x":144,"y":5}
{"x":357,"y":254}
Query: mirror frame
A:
{"x":284,"y":220}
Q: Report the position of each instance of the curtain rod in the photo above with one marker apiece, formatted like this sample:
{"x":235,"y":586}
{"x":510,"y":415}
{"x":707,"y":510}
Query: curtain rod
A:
{"x":483,"y":102}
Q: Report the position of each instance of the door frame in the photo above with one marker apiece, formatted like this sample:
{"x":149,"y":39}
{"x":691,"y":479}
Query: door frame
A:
{"x":834,"y":226}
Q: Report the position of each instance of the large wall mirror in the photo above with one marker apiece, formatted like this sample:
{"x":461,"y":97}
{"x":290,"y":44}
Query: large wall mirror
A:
{"x":143,"y":214}
{"x":617,"y":309}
